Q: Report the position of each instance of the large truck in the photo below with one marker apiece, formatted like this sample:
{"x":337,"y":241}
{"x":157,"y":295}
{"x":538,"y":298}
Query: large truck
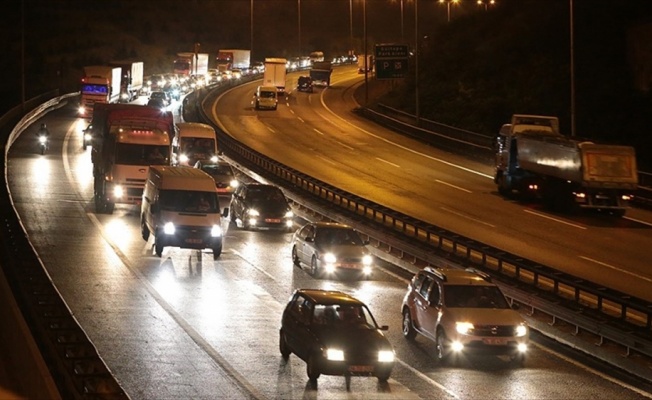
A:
{"x":233,"y":58}
{"x":320,"y":72}
{"x":191,"y":64}
{"x":99,"y":84}
{"x":534,"y":159}
{"x":132,"y":79}
{"x":275,"y":72}
{"x":361,"y":63}
{"x":126,"y":140}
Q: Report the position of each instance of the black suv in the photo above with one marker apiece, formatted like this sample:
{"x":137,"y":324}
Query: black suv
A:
{"x":335,"y":334}
{"x":305,"y":84}
{"x":463,"y":312}
{"x":261,"y":206}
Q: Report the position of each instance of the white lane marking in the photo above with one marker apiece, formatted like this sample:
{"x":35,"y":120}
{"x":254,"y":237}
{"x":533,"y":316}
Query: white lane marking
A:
{"x":389,"y":163}
{"x":327,"y":160}
{"x":638,"y":221}
{"x":346,"y":146}
{"x":554,"y":219}
{"x":450,"y":164}
{"x":453,"y":186}
{"x":318,"y":131}
{"x":254,"y":266}
{"x":301,"y":119}
{"x":616,"y":268}
{"x":467,"y":217}
{"x":270,"y":129}
{"x":593,"y":371}
{"x":427,"y":379}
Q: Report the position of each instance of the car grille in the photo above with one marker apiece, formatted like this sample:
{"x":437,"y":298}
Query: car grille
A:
{"x":494,"y":330}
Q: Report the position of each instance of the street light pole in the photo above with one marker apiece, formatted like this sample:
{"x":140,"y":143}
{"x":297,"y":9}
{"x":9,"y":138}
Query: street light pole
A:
{"x":572,"y":69}
{"x":351,"y":52}
{"x":416,"y":60}
{"x":402,"y":30}
{"x":299,"y":23}
{"x":251,"y":25}
{"x":366,"y":58}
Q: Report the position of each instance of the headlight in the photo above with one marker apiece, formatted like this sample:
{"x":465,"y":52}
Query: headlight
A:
{"x":289,"y":214}
{"x":216,"y":231}
{"x":521,"y":330}
{"x":463,"y":327}
{"x":385,"y":356}
{"x":42,"y":139}
{"x":334,"y":355}
{"x":183,"y":158}
{"x":87,"y":137}
{"x":124,"y":96}
{"x":234,"y":183}
{"x":214,"y":159}
{"x":82,"y":110}
{"x":117,"y":191}
{"x":367,"y":260}
{"x":253,"y":213}
{"x":168,"y":228}
{"x":330,"y":258}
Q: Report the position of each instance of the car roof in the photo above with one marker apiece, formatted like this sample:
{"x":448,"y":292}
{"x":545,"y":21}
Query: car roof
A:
{"x":454,"y":276}
{"x":321,"y":224}
{"x":320,"y":296}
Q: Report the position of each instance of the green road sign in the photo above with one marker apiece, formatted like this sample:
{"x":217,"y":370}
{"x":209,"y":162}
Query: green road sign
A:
{"x":391,"y":61}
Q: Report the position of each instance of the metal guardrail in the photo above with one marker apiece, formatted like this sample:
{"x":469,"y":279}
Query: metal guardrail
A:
{"x":609,"y":314}
{"x":72,"y":360}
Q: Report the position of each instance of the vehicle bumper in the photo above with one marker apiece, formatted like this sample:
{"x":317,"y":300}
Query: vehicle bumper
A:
{"x":355,"y":368}
{"x":189,"y":238}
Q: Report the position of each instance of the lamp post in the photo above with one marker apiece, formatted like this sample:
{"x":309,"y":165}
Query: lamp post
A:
{"x":366,"y":58}
{"x":486,"y":3}
{"x":351,"y":52}
{"x":416,"y":60}
{"x":251,"y":25}
{"x":448,"y":6}
{"x":402,"y":30}
{"x":299,"y":23}
{"x":572,"y":69}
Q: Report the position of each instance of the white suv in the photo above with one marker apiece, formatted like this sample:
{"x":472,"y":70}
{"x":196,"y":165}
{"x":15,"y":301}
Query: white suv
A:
{"x":463,"y":312}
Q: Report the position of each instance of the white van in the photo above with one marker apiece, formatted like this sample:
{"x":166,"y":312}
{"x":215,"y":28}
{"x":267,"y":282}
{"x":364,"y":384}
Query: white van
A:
{"x":181,"y":208}
{"x":266,"y":97}
{"x":193,"y":141}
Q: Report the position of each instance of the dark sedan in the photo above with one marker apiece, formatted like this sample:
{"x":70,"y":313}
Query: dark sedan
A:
{"x":260,"y":206}
{"x":335,"y":334}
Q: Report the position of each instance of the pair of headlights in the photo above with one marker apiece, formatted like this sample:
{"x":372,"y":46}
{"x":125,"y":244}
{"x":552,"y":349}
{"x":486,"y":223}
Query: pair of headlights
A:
{"x":333,"y":354}
{"x":170,"y":229}
{"x":254,"y":213}
{"x":331,"y":258}
{"x":465,"y":328}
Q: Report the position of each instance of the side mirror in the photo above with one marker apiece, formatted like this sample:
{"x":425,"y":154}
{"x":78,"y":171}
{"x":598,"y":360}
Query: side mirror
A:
{"x":225,"y":212}
{"x":384,"y":328}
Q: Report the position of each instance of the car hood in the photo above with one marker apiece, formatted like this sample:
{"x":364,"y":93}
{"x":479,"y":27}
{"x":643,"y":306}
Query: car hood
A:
{"x":344,"y":250}
{"x":266,"y":206}
{"x":353,"y":338}
{"x":486,"y":316}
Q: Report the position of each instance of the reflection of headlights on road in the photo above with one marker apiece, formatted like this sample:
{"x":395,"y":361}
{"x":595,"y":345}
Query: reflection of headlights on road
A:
{"x":168,"y":228}
{"x":367,"y":260}
{"x":522,"y":347}
{"x":329,"y":268}
{"x":463,"y":327}
{"x":216,"y":231}
{"x":253,"y":213}
{"x":118,"y":192}
{"x":330,"y":258}
{"x":457,"y":346}
{"x":234,"y":183}
{"x":385,"y":356}
{"x":334,"y":355}
{"x":289,"y":223}
{"x":521,"y":330}
{"x":183,"y":158}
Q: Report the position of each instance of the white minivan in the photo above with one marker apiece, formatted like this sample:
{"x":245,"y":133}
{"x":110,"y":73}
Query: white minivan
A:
{"x":266,"y":97}
{"x":194,"y":141}
{"x":181,"y":208}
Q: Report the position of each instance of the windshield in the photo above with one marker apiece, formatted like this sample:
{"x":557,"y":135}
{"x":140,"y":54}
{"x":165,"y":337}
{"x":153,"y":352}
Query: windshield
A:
{"x":94,"y":89}
{"x":267,"y":95}
{"x":474,"y":296}
{"x":266,"y":194}
{"x":188,"y":201}
{"x":338,"y":236}
{"x":344,"y":316}
{"x":141,"y":154}
{"x":218,"y":170}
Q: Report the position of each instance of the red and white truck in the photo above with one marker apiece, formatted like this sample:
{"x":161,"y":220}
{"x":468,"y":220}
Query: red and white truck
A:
{"x":229,"y":59}
{"x":99,"y":84}
{"x":191,"y":64}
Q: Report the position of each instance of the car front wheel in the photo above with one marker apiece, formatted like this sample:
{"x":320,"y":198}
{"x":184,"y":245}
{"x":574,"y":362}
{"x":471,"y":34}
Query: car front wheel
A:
{"x":441,"y":343}
{"x":312,"y":368}
{"x":314,"y":268}
{"x":283,"y":346}
{"x":295,"y":257}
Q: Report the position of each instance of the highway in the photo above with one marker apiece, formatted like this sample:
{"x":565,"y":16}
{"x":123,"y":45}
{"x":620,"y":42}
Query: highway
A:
{"x":185,"y":326}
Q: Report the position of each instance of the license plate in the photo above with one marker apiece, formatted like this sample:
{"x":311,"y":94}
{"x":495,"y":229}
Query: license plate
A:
{"x":349,"y":266}
{"x":193,"y":241}
{"x":272,"y":220}
{"x":494,"y":341}
{"x":361,"y":368}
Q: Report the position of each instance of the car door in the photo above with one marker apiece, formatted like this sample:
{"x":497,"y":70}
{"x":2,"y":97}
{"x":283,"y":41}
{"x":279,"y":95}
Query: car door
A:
{"x":307,"y":241}
{"x":431,"y":312}
{"x":421,"y":304}
{"x":297,"y":326}
{"x":236,"y":202}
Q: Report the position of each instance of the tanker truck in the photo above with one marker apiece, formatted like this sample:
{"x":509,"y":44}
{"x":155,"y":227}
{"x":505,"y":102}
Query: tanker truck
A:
{"x":536,"y":161}
{"x":126,"y":140}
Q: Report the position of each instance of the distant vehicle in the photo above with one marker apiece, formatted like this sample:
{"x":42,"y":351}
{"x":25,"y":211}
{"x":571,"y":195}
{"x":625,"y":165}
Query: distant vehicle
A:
{"x":222,"y":172}
{"x":316,"y":56}
{"x":194,"y":141}
{"x":533,"y":158}
{"x":191,"y":64}
{"x":320,"y":72}
{"x":331,"y":249}
{"x":304,"y":84}
{"x":233,"y":58}
{"x":158,"y":103}
{"x":260,"y":206}
{"x":275,"y":73}
{"x":266,"y":97}
{"x":369,"y":60}
{"x":161,"y":95}
{"x":236,"y":73}
{"x":99,"y":84}
{"x":335,"y":334}
{"x":132,"y":79}
{"x":462,"y":312}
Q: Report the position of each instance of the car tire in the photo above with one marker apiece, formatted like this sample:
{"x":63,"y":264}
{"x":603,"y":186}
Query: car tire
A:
{"x":383,"y":377}
{"x":295,"y":257}
{"x":144,"y":232}
{"x":517,"y":360}
{"x":217,"y":251}
{"x":441,"y":346}
{"x":158,"y":247}
{"x":312,"y":368}
{"x":283,"y":346}
{"x":314,"y":268}
{"x":408,"y":328}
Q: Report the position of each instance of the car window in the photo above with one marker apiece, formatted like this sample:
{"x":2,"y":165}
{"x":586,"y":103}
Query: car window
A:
{"x":338,"y":236}
{"x":475,"y":296}
{"x":423,"y":290}
{"x":343,"y":316}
